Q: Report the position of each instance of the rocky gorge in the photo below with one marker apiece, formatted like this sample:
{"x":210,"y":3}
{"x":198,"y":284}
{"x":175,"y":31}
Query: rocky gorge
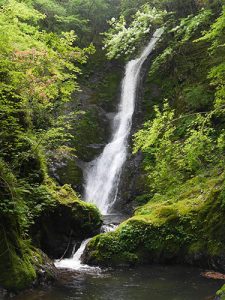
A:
{"x":171,"y":186}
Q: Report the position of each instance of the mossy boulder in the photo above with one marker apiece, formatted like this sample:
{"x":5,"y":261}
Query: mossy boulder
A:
{"x":17,"y":270}
{"x":183,"y":226}
{"x":21,"y":265}
{"x":68,"y":172}
{"x":68,"y":221}
{"x":46,"y":271}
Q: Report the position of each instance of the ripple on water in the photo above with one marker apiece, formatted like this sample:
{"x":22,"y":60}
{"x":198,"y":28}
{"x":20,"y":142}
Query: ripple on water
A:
{"x":143,"y":283}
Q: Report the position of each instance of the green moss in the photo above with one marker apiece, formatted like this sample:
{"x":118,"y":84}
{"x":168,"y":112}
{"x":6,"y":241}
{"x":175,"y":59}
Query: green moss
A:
{"x":107,"y":250}
{"x":70,"y":173}
{"x":189,"y":223}
{"x":107,"y":89}
{"x":66,"y":219}
{"x":184,"y":82}
{"x":56,"y":197}
{"x":17,"y":269}
{"x":221,"y":293}
{"x":87,"y":129}
{"x":86,"y":214}
{"x":65,"y":194}
{"x":49,"y":197}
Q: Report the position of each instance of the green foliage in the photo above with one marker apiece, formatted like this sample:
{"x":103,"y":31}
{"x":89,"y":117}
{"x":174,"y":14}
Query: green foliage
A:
{"x":184,"y":140}
{"x":130,"y":7}
{"x":221,"y":293}
{"x":16,"y":259}
{"x":188,"y":26}
{"x":86,"y":17}
{"x":123,"y":39}
{"x":38,"y":74}
{"x":172,"y":155}
{"x":182,"y":34}
{"x":178,"y":7}
{"x":215,"y":36}
{"x":197,"y":97}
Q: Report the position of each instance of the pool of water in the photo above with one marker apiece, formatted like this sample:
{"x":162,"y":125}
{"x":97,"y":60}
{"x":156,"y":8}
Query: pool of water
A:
{"x":143,"y":283}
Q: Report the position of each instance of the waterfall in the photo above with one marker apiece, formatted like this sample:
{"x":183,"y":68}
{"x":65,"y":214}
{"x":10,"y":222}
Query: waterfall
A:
{"x":103,"y":176}
{"x":74,"y":263}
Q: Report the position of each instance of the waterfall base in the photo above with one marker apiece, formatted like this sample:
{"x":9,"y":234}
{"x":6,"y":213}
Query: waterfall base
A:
{"x":110,"y":223}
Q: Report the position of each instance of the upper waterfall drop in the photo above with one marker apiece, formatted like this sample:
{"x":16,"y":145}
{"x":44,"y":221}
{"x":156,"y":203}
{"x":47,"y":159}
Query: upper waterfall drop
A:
{"x":102,"y":178}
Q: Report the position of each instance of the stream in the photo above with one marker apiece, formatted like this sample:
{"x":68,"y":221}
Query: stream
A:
{"x":78,"y":281}
{"x":142,"y":283}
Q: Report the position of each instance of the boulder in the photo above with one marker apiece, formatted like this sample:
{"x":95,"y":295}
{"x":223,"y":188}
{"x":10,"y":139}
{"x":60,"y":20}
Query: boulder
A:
{"x":70,"y":221}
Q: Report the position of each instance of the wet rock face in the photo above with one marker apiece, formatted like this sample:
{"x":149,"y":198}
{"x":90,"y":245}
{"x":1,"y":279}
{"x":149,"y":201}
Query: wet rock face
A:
{"x":46,"y":271}
{"x":68,"y":171}
{"x":130,"y":182}
{"x":91,"y":128}
{"x":216,"y":262}
{"x":56,"y":231}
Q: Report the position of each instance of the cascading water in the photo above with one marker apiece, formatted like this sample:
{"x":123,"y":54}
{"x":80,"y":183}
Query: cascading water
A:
{"x":74,"y":263}
{"x":103,"y":176}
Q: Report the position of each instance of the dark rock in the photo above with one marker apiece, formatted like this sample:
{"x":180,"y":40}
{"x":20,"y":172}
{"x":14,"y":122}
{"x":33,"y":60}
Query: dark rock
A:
{"x":90,"y":129}
{"x":129,"y":186}
{"x":46,"y":271}
{"x":56,"y":230}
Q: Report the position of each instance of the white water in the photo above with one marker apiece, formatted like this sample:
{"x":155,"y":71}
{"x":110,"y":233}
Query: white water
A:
{"x":74,"y":263}
{"x":108,"y":228}
{"x":103,"y":176}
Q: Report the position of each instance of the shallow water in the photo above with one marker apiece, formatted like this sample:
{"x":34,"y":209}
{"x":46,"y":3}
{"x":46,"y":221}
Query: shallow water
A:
{"x":144,"y":283}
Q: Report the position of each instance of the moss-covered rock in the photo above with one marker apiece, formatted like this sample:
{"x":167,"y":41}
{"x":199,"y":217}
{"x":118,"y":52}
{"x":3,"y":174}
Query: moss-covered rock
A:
{"x":22,"y":265}
{"x":46,"y":271}
{"x":68,"y":172}
{"x":185,"y":225}
{"x":20,"y":262}
{"x":59,"y":217}
{"x":70,"y":220}
{"x":17,"y":269}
